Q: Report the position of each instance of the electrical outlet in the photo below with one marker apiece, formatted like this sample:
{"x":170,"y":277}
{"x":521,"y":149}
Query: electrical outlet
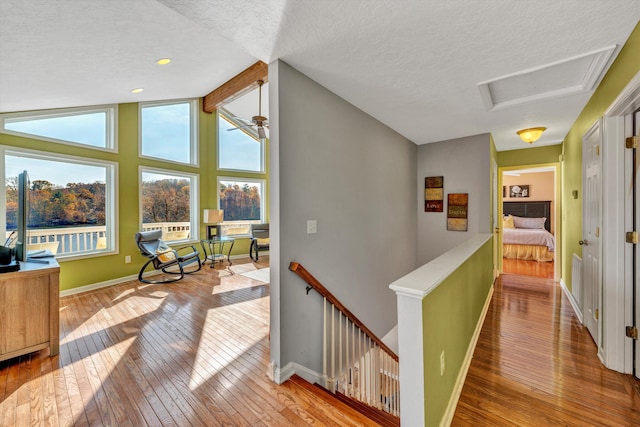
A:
{"x":127,"y":259}
{"x":442,"y":363}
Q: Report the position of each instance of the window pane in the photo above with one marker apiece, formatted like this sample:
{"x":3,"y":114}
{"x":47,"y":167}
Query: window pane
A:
{"x":88,"y":129}
{"x":241,"y":200}
{"x":236,"y":149}
{"x":166,"y":205}
{"x":65,"y":216}
{"x":166,"y":132}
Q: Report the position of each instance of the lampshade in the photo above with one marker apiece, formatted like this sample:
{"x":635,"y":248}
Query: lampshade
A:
{"x":531,"y":135}
{"x":213,"y":216}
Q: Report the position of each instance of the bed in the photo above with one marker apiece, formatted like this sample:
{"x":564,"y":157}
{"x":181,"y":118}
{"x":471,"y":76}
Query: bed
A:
{"x":526,"y":231}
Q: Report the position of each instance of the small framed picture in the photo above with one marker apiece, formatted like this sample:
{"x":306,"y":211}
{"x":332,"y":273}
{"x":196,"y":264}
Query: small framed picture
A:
{"x":519,"y":191}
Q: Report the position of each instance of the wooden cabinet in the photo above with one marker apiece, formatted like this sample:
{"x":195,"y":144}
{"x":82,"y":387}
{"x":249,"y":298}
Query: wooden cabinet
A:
{"x":29,"y":315}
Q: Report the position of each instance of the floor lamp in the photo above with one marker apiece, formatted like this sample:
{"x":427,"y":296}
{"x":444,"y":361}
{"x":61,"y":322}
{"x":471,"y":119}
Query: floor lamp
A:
{"x":213,"y":218}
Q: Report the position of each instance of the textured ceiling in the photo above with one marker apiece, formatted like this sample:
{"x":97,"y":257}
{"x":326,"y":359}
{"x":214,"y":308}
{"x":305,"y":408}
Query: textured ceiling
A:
{"x":414,"y":65}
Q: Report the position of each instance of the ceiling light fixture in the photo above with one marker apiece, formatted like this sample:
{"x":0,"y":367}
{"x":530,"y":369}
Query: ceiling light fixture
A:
{"x":531,"y":135}
{"x":163,"y":61}
{"x":137,"y":90}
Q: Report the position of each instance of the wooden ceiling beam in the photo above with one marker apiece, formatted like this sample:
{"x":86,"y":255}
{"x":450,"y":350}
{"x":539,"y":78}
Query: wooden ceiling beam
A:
{"x":244,"y":82}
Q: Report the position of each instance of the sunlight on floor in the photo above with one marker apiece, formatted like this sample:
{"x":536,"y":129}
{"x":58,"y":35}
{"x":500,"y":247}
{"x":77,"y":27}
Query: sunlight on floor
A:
{"x":225,"y":347}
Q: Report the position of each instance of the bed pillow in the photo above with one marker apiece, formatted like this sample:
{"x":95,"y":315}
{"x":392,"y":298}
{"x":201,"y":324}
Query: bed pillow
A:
{"x":520,"y":222}
{"x":507,"y":222}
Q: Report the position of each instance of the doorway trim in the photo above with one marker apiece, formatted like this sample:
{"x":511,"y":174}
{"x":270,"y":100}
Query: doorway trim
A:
{"x":617,"y":278}
{"x":557,"y":209}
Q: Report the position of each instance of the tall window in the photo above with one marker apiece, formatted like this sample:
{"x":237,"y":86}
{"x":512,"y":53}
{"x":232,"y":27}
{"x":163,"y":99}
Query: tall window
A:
{"x":238,"y":149}
{"x":92,"y":127}
{"x":169,"y":203}
{"x":168,"y":131}
{"x":71,"y":202}
{"x":243,"y":203}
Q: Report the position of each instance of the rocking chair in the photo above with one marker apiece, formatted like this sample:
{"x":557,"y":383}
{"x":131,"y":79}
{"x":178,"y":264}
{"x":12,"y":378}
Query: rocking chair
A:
{"x":164,"y":258}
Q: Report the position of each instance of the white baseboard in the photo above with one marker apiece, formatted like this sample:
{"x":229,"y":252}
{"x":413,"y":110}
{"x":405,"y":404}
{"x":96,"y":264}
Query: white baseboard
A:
{"x":94,"y":286}
{"x":466,"y":363}
{"x":572,"y":300}
{"x":280,"y":375}
{"x":117,"y":281}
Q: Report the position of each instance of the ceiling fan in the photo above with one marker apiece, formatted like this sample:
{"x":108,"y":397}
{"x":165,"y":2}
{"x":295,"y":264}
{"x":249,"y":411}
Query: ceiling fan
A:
{"x":259,"y":122}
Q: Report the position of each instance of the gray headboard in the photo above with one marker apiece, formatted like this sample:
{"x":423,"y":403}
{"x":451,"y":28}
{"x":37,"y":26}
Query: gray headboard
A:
{"x":529,"y":210}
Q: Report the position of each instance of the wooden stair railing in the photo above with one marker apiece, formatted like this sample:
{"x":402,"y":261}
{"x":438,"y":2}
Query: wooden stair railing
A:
{"x":355,"y":362}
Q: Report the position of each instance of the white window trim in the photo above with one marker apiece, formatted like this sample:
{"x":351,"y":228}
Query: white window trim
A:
{"x":111,"y":196}
{"x":194,"y":223}
{"x":193,"y":131}
{"x":111,"y":135}
{"x":250,"y":134}
{"x":263,"y":184}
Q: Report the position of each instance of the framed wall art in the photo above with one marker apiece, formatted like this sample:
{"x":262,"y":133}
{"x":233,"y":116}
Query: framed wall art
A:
{"x":457,"y":211}
{"x":519,"y":191}
{"x":433,"y":194}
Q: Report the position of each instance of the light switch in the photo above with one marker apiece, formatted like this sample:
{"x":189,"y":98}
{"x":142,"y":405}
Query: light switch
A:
{"x":312,"y":226}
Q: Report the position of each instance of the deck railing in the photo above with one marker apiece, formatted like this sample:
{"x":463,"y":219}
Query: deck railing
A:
{"x":355,"y":362}
{"x":70,"y":240}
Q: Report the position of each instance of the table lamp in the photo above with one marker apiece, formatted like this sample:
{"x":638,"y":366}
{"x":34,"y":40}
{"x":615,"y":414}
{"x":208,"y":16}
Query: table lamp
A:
{"x":213,"y":218}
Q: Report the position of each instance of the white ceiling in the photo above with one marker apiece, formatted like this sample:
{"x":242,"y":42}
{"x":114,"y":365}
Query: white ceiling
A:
{"x":414,"y":65}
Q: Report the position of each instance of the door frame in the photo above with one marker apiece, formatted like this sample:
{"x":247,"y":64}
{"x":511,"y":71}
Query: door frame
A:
{"x":557,"y":209}
{"x":617,"y":280}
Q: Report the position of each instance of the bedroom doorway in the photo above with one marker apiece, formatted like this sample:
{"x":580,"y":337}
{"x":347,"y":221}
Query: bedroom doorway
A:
{"x":529,"y":205}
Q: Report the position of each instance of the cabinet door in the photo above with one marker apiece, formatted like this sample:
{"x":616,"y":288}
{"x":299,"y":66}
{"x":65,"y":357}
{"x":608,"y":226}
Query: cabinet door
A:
{"x":24,"y":313}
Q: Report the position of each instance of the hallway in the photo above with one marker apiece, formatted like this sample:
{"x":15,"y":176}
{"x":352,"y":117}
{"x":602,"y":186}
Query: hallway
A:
{"x":535,"y":364}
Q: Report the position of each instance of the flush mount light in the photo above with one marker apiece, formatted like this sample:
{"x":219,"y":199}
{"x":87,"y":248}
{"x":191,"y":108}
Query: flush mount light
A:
{"x":531,"y":135}
{"x":137,"y":90}
{"x":163,"y":61}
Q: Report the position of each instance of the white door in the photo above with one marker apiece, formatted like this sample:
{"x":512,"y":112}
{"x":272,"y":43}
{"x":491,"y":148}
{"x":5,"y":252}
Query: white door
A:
{"x":591,"y":230}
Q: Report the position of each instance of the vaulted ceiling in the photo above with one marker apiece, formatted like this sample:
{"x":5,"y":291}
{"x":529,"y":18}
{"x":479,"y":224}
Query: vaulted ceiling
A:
{"x":414,"y":65}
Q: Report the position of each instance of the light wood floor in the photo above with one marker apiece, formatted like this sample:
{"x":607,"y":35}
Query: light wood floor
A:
{"x":528,"y":268}
{"x":194,"y":352}
{"x":536,"y":365}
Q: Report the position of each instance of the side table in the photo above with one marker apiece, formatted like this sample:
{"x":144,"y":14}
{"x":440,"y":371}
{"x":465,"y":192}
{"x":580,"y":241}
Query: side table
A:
{"x":209,"y":247}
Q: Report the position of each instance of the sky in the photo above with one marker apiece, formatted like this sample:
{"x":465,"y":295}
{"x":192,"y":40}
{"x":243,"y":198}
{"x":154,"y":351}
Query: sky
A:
{"x":165,"y":134}
{"x":54,"y":172}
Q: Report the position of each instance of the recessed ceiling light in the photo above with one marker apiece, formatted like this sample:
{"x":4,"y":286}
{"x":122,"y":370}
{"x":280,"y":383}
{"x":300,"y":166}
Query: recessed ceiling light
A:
{"x":137,"y":90}
{"x":163,"y":61}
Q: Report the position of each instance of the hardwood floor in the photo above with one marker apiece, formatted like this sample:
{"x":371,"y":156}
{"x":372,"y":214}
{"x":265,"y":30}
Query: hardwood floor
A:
{"x":193,"y":352}
{"x":535,"y":364}
{"x":528,"y":268}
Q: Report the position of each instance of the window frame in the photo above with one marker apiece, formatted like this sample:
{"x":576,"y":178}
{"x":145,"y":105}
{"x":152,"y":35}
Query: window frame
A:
{"x":223,"y":114}
{"x":111,"y":136}
{"x":111,"y":196}
{"x":263,"y":203}
{"x":193,"y":131}
{"x":194,"y":191}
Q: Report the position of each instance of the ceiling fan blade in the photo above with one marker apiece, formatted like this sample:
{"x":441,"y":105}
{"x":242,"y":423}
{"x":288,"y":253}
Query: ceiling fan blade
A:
{"x":242,"y":118}
{"x":240,"y":127}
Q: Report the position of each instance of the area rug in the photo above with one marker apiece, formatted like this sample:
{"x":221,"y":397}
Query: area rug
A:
{"x":261,"y":275}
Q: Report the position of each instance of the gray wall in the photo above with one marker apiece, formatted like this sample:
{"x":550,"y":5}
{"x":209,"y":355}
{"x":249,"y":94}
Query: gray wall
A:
{"x":333,"y":163}
{"x":465,"y":164}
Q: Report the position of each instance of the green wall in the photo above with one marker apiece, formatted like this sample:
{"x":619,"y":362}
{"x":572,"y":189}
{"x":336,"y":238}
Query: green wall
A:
{"x":101,"y":268}
{"x":625,"y":67}
{"x":450,"y":315}
{"x":533,"y":156}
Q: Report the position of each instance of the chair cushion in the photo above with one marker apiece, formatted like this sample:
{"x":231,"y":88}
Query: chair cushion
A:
{"x":165,"y":253}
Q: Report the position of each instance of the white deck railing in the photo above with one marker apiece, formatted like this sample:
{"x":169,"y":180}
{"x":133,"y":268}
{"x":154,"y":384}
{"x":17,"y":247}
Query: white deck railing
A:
{"x":83,"y":239}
